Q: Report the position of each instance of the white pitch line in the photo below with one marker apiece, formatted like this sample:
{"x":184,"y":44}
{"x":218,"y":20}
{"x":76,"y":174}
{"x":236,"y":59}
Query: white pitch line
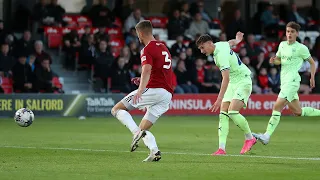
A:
{"x":176,"y":153}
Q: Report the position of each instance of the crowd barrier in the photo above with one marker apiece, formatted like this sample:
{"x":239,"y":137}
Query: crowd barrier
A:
{"x":75,"y":105}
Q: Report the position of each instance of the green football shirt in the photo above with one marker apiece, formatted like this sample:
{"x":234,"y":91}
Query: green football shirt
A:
{"x":292,"y":57}
{"x":225,"y":58}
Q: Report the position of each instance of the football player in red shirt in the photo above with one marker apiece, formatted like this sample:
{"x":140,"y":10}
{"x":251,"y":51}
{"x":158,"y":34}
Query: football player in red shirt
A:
{"x":154,"y":93}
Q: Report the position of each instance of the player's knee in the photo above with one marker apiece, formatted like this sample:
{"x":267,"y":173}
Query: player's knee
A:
{"x":232,"y":114}
{"x":114,"y":111}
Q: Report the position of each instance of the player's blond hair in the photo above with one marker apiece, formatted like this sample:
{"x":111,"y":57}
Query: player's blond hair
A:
{"x":294,"y":26}
{"x":144,"y":26}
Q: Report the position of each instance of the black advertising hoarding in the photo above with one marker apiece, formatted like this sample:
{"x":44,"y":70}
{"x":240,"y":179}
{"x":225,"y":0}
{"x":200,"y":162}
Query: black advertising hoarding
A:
{"x":59,"y":104}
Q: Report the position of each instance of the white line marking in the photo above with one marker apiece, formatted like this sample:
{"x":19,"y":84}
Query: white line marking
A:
{"x":72,"y":105}
{"x":175,"y":153}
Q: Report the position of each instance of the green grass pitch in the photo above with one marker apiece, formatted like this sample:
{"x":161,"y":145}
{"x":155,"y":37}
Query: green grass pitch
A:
{"x":98,"y":148}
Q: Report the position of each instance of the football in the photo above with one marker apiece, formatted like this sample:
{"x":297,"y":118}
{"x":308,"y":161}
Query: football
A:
{"x":24,"y":117}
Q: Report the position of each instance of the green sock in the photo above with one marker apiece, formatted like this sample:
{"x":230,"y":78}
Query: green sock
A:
{"x":273,"y":122}
{"x":309,"y":111}
{"x":241,"y":122}
{"x":223,"y":130}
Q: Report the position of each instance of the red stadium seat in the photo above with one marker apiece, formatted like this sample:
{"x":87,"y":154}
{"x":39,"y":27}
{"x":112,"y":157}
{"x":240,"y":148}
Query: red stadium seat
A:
{"x":83,"y":21}
{"x":114,"y":33}
{"x":7,"y":85}
{"x":54,"y":36}
{"x":70,"y":20}
{"x":158,"y":22}
{"x":56,"y":82}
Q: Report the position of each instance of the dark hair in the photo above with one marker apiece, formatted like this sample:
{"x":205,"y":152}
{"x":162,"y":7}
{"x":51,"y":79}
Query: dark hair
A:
{"x":144,"y":26}
{"x":203,"y":38}
{"x":294,"y":25}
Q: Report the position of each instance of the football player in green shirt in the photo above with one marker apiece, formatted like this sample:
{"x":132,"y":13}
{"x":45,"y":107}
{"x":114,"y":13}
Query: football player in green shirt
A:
{"x":235,"y":89}
{"x":290,"y":55}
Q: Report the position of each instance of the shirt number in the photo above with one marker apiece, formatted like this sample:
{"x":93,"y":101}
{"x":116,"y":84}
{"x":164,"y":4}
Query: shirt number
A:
{"x":166,"y":59}
{"x":239,"y":60}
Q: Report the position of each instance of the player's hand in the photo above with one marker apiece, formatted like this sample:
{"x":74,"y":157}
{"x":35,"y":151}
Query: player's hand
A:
{"x":239,"y":36}
{"x":271,"y":61}
{"x":135,"y":80}
{"x":216,"y":105}
{"x":137,"y":97}
{"x":312,"y":83}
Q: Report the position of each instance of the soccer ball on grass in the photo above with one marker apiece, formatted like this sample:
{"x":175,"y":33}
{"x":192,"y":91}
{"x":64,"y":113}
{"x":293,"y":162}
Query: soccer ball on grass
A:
{"x":24,"y":117}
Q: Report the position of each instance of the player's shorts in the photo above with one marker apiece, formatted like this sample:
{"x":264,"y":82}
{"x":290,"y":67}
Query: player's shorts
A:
{"x":289,"y":91}
{"x":240,"y":90}
{"x":155,"y":100}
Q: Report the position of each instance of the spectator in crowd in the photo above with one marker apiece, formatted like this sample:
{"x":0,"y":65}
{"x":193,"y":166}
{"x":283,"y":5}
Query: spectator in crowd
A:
{"x":120,"y":77}
{"x":307,"y":42}
{"x":127,"y":10}
{"x":22,"y":75}
{"x":56,"y":12}
{"x":255,"y":87}
{"x":222,"y":36}
{"x":40,"y":53}
{"x":10,"y":40}
{"x":270,"y":20}
{"x":125,"y":53}
{"x":88,"y":51}
{"x":101,"y":15}
{"x":316,"y":48}
{"x":39,"y":11}
{"x":44,"y":77}
{"x":237,"y":24}
{"x":132,"y":20}
{"x":176,"y":25}
{"x":195,"y":51}
{"x":1,"y":89}
{"x":205,"y":16}
{"x":6,"y":61}
{"x":178,"y":47}
{"x":87,"y":32}
{"x":24,"y":45}
{"x":101,"y":35}
{"x":183,"y":78}
{"x":185,"y":13}
{"x":261,"y":62}
{"x":274,"y":80}
{"x":213,"y":79}
{"x":176,"y":87}
{"x":102,"y":65}
{"x":264,"y":47}
{"x":72,"y":45}
{"x":198,"y":26}
{"x":134,"y":61}
{"x":3,"y":33}
{"x":263,"y":81}
{"x":132,"y":36}
{"x":190,"y":59}
{"x":243,"y":52}
{"x":251,"y":47}
{"x":296,"y":17}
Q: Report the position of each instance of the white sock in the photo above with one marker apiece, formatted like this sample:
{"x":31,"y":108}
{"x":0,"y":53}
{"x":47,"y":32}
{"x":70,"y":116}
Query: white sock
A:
{"x":248,"y":136}
{"x":126,"y":119}
{"x":150,"y":141}
{"x":222,"y":146}
{"x":266,"y":135}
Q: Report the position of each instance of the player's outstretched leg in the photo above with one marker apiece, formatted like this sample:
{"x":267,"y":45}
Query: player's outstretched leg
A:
{"x":223,"y":129}
{"x":235,"y":106}
{"x":120,"y":112}
{"x":273,"y":122}
{"x":149,"y":140}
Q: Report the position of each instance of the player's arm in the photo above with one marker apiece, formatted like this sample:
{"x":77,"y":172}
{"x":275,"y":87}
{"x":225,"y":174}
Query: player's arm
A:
{"x":237,"y":40}
{"x":145,"y":76}
{"x":276,"y":60}
{"x":225,"y":81}
{"x":312,"y":67}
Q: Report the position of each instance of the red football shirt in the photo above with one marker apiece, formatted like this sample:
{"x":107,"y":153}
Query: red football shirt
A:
{"x":158,"y":56}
